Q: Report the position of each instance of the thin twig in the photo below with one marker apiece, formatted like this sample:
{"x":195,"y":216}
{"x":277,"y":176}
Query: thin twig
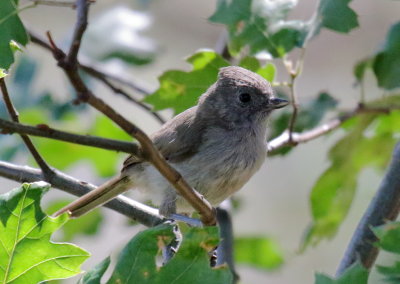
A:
{"x":297,"y":138}
{"x":105,"y":78}
{"x":142,"y":213}
{"x":127,"y":96}
{"x":384,"y":207}
{"x":82,"y":7}
{"x":45,"y":131}
{"x":95,"y":72}
{"x":294,"y":73}
{"x":56,"y":3}
{"x":48,"y":172}
{"x":295,"y":107}
{"x":225,"y":247}
{"x":149,"y":151}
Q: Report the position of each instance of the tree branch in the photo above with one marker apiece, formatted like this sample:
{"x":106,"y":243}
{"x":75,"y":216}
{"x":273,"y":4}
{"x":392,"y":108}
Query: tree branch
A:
{"x":294,"y":73}
{"x":122,"y":92}
{"x":92,"y":141}
{"x":28,"y":142}
{"x":384,"y":207}
{"x":225,"y":247}
{"x":149,"y":151}
{"x":143,"y":214}
{"x":105,"y":78}
{"x":82,"y":7}
{"x":297,"y":138}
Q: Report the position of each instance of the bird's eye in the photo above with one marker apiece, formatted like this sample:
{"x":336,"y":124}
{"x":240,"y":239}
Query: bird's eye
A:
{"x":244,"y":97}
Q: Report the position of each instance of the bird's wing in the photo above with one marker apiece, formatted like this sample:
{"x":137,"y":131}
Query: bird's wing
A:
{"x":177,"y":140}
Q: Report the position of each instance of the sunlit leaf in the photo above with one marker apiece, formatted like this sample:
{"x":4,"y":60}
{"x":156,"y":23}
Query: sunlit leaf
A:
{"x":27,"y":255}
{"x":259,"y":252}
{"x":3,"y":73}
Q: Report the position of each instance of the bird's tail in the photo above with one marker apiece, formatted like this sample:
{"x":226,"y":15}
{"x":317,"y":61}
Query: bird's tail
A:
{"x":96,"y":197}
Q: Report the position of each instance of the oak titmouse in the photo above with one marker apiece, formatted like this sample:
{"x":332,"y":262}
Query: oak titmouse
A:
{"x":216,"y":145}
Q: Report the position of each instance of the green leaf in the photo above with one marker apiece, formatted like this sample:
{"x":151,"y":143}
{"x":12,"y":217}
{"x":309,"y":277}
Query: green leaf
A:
{"x":387,"y":62}
{"x":337,"y":15}
{"x":333,"y":193}
{"x":94,"y":276}
{"x":267,"y":71}
{"x":361,"y":67}
{"x":260,"y":25}
{"x":136,"y":263}
{"x":180,"y":90}
{"x":355,"y":274}
{"x":12,"y":29}
{"x":259,"y":252}
{"x":391,"y":273}
{"x":27,"y":255}
{"x":88,"y":224}
{"x":3,"y":73}
{"x":389,"y":236}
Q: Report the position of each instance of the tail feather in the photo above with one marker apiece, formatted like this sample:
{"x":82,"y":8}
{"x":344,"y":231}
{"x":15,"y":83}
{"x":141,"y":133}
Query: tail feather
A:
{"x":96,"y":197}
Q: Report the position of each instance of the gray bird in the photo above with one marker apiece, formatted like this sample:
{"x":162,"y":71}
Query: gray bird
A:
{"x":216,"y":145}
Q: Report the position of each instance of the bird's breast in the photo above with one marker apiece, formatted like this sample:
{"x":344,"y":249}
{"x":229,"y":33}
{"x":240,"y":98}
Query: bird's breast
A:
{"x":224,"y":163}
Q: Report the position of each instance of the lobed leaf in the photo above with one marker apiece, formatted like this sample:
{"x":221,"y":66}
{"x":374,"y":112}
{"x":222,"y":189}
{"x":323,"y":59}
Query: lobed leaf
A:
{"x":26,"y":253}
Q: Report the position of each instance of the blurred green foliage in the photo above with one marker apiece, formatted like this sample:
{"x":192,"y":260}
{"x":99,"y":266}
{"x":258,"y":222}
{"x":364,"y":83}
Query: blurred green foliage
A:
{"x":260,"y":252}
{"x":333,"y":193}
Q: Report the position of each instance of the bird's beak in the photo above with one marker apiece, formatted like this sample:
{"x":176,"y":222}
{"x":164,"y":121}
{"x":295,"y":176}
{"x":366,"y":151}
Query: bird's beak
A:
{"x":276,"y":103}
